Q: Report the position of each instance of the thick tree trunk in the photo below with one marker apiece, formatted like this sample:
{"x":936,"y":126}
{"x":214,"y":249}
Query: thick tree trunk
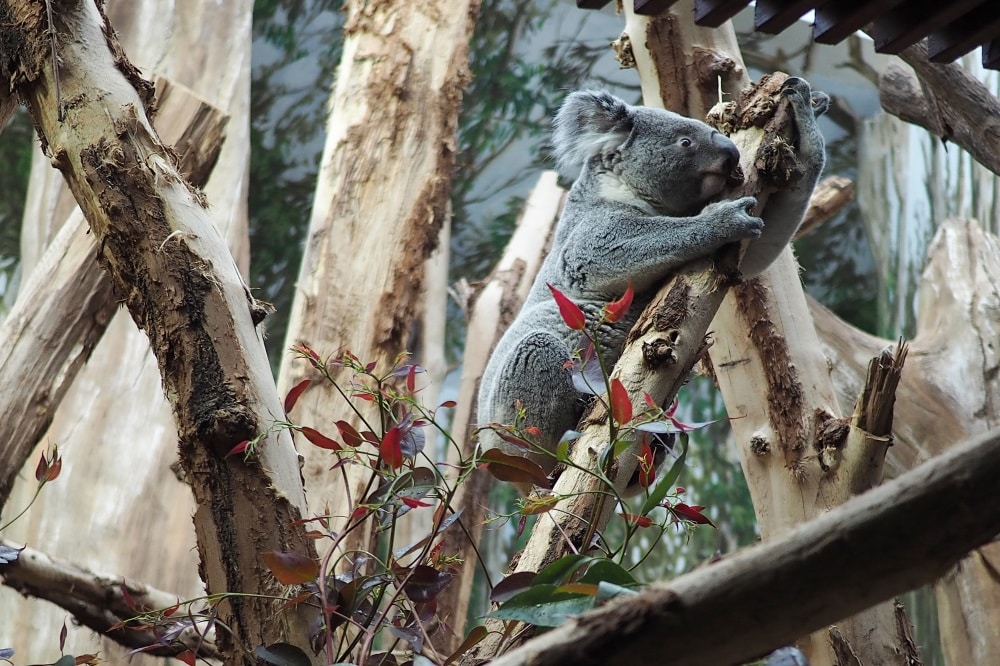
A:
{"x":767,"y":358}
{"x":950,"y":390}
{"x":381,"y":200}
{"x":118,"y":396}
{"x":64,"y":307}
{"x":181,"y":285}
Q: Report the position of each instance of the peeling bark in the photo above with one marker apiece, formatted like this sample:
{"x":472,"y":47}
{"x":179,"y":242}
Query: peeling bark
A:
{"x":65,"y":306}
{"x":381,"y":199}
{"x":182,"y":287}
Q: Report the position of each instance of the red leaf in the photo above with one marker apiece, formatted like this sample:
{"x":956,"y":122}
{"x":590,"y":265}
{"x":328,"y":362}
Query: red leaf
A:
{"x":360,"y":513}
{"x":187,"y":657}
{"x":320,"y":440}
{"x":647,"y":465}
{"x":293,"y":395}
{"x":389,"y":449}
{"x":616,"y":309}
{"x":649,"y":400}
{"x":448,"y":403}
{"x":570,"y":311}
{"x":239,"y":448}
{"x":413,"y":503}
{"x":349,"y":434}
{"x":62,"y":637}
{"x":691,"y":514}
{"x":371,"y":366}
{"x":411,"y":380}
{"x":641,"y":521}
{"x":304,"y":349}
{"x":621,"y":405}
{"x":515,"y":469}
{"x":291,"y":568}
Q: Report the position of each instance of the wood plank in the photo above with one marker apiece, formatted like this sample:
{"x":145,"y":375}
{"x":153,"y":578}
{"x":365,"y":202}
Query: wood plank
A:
{"x":713,"y":13}
{"x":909,"y":23}
{"x":838,"y":20}
{"x":964,"y":34}
{"x":652,"y":7}
{"x":774,"y":16}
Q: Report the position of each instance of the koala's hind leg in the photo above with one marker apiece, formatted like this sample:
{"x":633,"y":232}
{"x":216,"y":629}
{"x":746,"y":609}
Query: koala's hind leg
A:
{"x":535,"y":375}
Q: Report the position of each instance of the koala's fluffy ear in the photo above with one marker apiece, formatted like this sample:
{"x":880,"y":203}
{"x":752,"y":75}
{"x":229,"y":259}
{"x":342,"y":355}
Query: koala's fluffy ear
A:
{"x":589,"y":123}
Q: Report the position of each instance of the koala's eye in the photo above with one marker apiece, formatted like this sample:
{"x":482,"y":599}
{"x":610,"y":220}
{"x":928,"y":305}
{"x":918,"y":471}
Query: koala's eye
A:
{"x":686,"y":142}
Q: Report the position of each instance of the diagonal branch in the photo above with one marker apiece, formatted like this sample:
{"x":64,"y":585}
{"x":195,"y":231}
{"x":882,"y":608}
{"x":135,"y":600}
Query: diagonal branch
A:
{"x":96,"y":601}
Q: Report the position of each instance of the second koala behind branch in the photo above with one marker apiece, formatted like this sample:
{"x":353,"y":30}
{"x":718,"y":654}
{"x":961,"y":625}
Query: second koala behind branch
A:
{"x":643,"y":206}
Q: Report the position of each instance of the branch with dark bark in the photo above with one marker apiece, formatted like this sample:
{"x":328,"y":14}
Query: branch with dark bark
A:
{"x":63,"y":309}
{"x":894,"y":538}
{"x":182,"y":287}
{"x":947,"y":101}
{"x":101,"y":602}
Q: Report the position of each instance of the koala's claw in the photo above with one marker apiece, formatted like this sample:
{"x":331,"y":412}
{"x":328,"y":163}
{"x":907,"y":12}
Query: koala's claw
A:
{"x":820,"y":102}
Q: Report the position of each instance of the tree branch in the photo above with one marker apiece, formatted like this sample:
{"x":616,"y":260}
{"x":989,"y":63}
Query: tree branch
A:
{"x":947,"y":101}
{"x":894,"y":538}
{"x":99,"y":602}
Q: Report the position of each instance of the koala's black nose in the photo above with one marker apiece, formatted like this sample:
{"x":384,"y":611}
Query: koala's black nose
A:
{"x":729,"y":149}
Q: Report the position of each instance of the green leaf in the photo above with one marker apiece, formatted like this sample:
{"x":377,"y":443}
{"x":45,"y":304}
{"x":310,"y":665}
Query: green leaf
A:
{"x":544,"y":606}
{"x":606,"y":571}
{"x":669,"y":479}
{"x":561,"y":569}
{"x":608,"y":591}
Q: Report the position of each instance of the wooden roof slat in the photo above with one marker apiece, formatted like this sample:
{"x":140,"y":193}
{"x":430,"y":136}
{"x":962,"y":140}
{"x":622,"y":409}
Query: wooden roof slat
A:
{"x":964,"y":34}
{"x":909,"y":23}
{"x":652,"y":7}
{"x":773,"y":16}
{"x":713,"y":13}
{"x":839,"y":19}
{"x":591,"y":4}
{"x":991,"y":54}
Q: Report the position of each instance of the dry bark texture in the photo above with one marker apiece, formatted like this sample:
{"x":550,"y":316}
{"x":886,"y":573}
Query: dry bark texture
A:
{"x":767,"y":595}
{"x":98,"y":601}
{"x":949,"y":391}
{"x":182,"y":288}
{"x":381,"y":199}
{"x":66,"y":304}
{"x":767,"y":358}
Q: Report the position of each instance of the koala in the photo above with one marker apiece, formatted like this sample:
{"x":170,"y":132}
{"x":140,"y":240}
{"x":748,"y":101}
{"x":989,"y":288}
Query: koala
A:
{"x":642,"y":207}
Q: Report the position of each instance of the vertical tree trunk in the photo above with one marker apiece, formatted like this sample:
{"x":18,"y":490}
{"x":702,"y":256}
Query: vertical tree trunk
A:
{"x":381,"y":200}
{"x":119,"y":507}
{"x":767,"y":357}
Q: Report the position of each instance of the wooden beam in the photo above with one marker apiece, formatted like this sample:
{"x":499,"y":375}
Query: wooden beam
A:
{"x":652,"y":7}
{"x":837,"y":20}
{"x":591,"y":4}
{"x":907,"y":24}
{"x":773,"y":16}
{"x":965,"y":33}
{"x":991,"y":54}
{"x":713,"y":13}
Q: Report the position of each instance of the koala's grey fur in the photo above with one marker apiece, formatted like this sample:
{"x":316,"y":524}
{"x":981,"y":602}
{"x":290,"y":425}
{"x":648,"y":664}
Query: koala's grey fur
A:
{"x":639,"y":210}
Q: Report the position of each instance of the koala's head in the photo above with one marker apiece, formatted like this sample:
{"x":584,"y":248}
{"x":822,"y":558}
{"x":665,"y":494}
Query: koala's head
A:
{"x":672,"y":164}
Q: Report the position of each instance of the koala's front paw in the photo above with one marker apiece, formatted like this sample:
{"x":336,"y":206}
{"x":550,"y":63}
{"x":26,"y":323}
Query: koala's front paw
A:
{"x":805,"y":100}
{"x":734,"y":219}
